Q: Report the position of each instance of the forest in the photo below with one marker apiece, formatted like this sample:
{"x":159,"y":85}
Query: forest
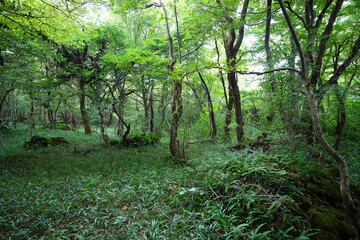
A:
{"x":180,"y":119}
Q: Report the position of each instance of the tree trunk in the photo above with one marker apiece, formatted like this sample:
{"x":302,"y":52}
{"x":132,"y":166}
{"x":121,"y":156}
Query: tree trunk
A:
{"x":102,"y":126}
{"x":232,"y":43}
{"x":176,"y":104}
{"x":123,"y":123}
{"x":84,"y":115}
{"x":152,"y":112}
{"x":228,"y":100}
{"x":213,"y":130}
{"x":341,"y":118}
{"x":348,"y":202}
{"x":51,"y":119}
{"x":177,"y":111}
{"x":146,"y":104}
{"x":237,"y":106}
{"x":2,"y":101}
{"x":228,"y":115}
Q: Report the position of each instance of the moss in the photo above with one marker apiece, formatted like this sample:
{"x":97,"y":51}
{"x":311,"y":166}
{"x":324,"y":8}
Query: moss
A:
{"x":303,"y":201}
{"x":325,"y":236}
{"x":57,"y":141}
{"x":332,"y":224}
{"x":64,"y":126}
{"x":313,"y":189}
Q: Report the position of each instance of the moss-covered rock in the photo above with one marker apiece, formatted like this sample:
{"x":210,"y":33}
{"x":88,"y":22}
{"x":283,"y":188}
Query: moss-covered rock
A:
{"x":142,"y":140}
{"x":38,"y":141}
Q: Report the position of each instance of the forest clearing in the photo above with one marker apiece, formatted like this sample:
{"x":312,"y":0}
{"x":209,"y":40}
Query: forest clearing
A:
{"x":179,"y":119}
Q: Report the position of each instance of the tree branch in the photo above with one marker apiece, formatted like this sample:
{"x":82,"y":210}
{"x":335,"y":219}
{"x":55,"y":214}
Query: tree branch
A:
{"x":296,"y":40}
{"x":322,"y":13}
{"x":152,"y":5}
{"x":270,"y":71}
{"x":354,"y":52}
{"x":325,"y":39}
{"x":297,"y":15}
{"x":242,"y":26}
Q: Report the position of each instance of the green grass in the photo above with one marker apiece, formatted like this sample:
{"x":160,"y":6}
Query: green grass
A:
{"x":84,"y":190}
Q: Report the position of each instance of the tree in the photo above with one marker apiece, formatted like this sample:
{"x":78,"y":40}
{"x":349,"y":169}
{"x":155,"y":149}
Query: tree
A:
{"x":310,"y":71}
{"x":232,"y":42}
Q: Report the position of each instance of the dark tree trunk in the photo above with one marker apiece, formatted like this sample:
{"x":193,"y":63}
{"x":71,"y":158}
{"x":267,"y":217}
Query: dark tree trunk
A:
{"x":146,"y":108}
{"x":2,"y":101}
{"x":110,"y":121}
{"x":211,"y":109}
{"x":342,"y":114}
{"x":228,"y":100}
{"x":51,"y":119}
{"x":340,"y":127}
{"x":237,"y":106}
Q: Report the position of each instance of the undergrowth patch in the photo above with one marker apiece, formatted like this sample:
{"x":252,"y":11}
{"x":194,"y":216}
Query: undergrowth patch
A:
{"x":85,"y":190}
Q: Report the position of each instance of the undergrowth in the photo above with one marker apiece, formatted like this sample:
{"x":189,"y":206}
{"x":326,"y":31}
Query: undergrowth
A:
{"x":85,"y":190}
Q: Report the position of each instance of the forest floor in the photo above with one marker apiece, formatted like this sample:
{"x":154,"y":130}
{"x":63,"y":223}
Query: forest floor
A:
{"x":84,"y":190}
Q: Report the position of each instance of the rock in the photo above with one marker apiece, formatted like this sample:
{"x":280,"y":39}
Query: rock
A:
{"x":37,"y":141}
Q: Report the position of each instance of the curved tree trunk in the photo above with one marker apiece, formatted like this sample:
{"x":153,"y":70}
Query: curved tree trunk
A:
{"x":348,"y":202}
